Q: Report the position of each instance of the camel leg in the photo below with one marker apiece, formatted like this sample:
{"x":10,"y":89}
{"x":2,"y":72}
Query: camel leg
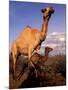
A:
{"x":14,"y":54}
{"x":37,"y":49}
{"x":29,"y":53}
{"x":14,"y":64}
{"x":30,"y":64}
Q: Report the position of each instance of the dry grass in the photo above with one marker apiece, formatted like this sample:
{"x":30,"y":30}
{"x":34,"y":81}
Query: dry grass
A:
{"x":53,"y":73}
{"x":59,"y":64}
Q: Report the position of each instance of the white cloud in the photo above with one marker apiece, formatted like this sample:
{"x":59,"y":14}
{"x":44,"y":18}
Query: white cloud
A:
{"x":56,"y":40}
{"x":62,"y":39}
{"x":50,"y":45}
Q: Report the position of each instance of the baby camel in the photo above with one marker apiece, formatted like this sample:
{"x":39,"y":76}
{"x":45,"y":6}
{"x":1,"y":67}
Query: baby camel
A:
{"x":37,"y":58}
{"x":30,"y":39}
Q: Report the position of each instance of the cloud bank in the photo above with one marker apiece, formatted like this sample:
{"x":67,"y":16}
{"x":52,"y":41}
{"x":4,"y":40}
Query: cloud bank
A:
{"x":56,"y":40}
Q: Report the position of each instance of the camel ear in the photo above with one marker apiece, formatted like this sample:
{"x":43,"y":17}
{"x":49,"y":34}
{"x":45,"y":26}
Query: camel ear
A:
{"x":52,"y":11}
{"x":43,"y":10}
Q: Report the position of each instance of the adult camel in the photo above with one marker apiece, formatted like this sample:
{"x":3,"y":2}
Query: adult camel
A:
{"x":30,"y":38}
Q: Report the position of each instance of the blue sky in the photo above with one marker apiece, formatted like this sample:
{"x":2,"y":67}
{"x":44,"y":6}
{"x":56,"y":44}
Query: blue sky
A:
{"x":22,"y":14}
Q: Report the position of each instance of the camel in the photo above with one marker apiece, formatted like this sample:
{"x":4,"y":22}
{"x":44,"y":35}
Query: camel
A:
{"x":37,"y":58}
{"x":30,"y":38}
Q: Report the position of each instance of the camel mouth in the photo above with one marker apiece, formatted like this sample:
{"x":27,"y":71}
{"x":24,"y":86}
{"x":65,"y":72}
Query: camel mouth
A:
{"x":44,"y":17}
{"x":47,"y":16}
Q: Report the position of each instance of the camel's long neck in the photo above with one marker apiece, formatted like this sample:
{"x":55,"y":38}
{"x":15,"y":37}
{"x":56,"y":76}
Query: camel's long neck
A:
{"x":46,"y":55}
{"x":44,"y":27}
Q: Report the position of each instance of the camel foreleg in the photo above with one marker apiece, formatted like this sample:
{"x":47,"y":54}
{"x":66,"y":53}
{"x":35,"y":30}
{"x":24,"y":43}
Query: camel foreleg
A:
{"x":37,"y":49}
{"x":14,"y":55}
{"x":30,"y":64}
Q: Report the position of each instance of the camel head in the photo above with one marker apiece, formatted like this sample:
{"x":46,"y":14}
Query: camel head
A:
{"x":47,"y":12}
{"x":48,"y":49}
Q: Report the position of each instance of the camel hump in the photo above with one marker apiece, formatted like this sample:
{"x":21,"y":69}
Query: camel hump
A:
{"x":27,"y":29}
{"x":28,"y":26}
{"x":32,"y":29}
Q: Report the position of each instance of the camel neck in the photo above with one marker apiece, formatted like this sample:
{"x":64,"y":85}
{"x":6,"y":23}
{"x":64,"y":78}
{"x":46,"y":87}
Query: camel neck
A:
{"x":44,"y":27}
{"x":46,"y":55}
